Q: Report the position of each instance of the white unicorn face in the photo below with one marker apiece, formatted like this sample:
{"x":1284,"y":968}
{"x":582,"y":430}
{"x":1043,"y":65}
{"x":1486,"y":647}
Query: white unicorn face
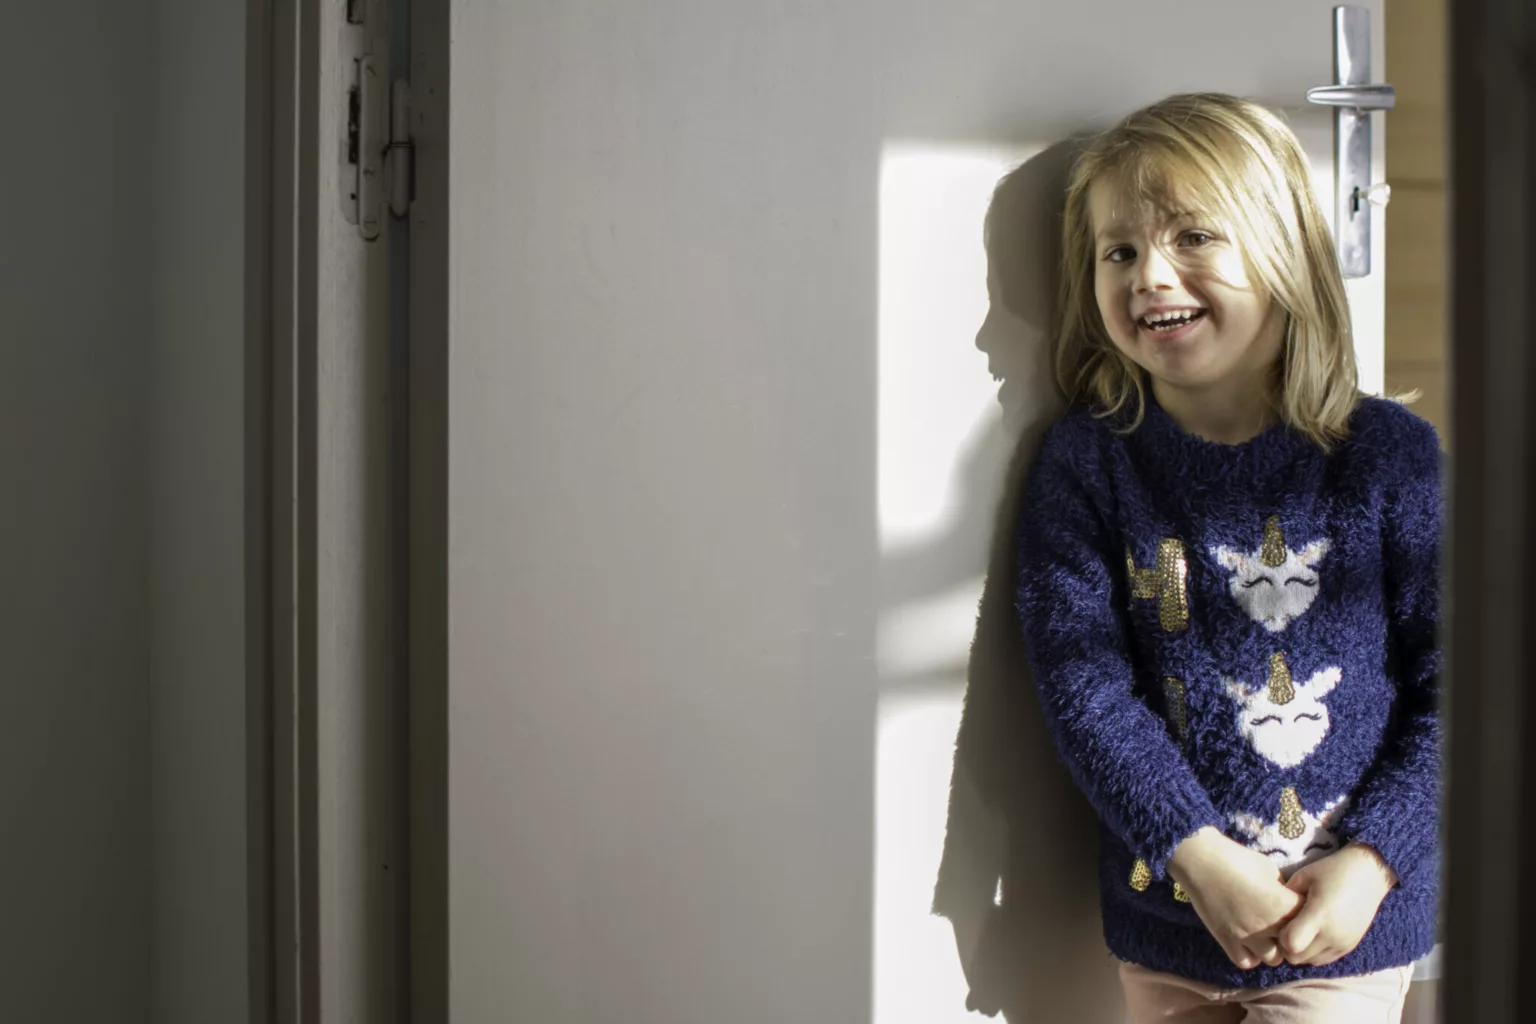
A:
{"x":1298,"y":837}
{"x":1274,"y":584}
{"x":1284,"y":722}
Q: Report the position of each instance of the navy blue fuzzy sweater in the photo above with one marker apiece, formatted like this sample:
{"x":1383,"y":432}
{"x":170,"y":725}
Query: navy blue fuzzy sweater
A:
{"x":1242,"y":636}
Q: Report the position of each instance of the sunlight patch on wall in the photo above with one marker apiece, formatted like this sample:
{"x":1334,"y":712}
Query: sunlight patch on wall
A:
{"x":935,"y":395}
{"x":939,"y":475}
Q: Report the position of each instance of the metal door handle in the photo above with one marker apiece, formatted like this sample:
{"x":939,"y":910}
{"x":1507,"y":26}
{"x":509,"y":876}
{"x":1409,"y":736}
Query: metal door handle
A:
{"x":1361,"y":97}
{"x":1353,"y":96}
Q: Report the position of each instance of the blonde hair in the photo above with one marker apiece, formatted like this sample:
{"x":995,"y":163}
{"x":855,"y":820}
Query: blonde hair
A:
{"x":1234,"y":161}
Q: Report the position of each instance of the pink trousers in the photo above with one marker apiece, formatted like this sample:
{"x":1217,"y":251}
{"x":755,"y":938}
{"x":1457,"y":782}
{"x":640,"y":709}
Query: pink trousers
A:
{"x":1369,"y":999}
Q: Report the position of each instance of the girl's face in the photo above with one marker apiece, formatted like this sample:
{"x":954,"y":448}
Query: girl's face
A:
{"x":1175,"y":297}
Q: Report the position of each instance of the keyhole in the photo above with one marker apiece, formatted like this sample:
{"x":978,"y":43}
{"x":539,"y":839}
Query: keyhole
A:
{"x":1379,"y":194}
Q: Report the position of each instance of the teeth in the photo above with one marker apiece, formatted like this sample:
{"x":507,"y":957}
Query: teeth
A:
{"x":1171,"y":318}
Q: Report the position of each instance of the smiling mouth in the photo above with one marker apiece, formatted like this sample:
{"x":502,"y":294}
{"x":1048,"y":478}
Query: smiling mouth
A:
{"x":1170,"y":321}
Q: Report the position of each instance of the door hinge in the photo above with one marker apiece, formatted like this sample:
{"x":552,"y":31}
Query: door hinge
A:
{"x":380,"y":159}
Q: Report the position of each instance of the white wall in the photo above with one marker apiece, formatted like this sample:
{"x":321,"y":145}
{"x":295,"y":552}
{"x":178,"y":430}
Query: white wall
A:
{"x":722,"y":458}
{"x":74,"y":674}
{"x":661,"y":513}
{"x":196,"y":539}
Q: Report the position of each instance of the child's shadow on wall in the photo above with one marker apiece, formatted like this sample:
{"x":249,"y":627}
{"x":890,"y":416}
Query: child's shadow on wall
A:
{"x":1019,"y":878}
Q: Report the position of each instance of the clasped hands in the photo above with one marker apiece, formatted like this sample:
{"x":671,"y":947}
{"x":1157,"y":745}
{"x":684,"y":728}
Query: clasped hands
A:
{"x":1316,"y":917}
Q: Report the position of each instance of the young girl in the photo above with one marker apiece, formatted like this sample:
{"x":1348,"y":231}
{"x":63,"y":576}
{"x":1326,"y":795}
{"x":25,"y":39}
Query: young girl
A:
{"x":1229,"y":583}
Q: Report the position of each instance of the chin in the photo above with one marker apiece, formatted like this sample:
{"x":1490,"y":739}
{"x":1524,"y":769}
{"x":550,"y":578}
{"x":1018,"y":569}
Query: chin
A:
{"x":1184,"y":369}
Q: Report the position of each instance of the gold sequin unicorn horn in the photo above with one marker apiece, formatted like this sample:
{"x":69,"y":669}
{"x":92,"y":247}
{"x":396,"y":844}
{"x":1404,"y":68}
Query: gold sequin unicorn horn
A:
{"x":1273,"y":551}
{"x":1282,"y":688}
{"x":1293,"y":820}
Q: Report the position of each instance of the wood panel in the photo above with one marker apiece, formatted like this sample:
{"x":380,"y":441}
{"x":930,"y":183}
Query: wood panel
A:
{"x":1416,"y":263}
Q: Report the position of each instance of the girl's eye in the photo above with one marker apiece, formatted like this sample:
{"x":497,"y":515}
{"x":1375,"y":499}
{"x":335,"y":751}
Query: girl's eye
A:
{"x":1120,"y":253}
{"x":1197,"y":239}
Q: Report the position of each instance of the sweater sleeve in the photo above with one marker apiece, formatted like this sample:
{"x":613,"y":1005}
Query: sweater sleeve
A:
{"x":1072,"y":602}
{"x":1396,"y":811}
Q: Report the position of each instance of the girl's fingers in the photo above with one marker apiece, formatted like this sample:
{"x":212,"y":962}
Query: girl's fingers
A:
{"x":1327,"y":956}
{"x":1303,"y":932}
{"x":1264,"y":949}
{"x":1319,"y":954}
{"x":1237,"y":953}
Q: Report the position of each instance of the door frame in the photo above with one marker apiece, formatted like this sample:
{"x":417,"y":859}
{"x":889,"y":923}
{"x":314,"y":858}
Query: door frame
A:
{"x":427,"y":481}
{"x":260,"y":226}
{"x":279,"y":563}
{"x":327,"y":858}
{"x":1491,"y":779}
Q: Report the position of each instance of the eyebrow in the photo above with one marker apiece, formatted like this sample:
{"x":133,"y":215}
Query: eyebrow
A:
{"x":1109,"y":229}
{"x":1119,"y":226}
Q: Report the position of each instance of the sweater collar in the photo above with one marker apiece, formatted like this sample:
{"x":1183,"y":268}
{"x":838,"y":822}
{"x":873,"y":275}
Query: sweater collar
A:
{"x":1190,"y":459}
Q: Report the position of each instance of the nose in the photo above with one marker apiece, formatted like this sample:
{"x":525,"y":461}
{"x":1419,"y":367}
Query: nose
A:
{"x":1155,"y":271}
{"x":984,"y":332}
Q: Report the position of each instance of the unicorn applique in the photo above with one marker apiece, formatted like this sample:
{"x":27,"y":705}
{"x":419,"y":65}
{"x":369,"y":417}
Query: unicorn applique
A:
{"x":1274,"y":584}
{"x":1284,"y":721}
{"x":1297,"y":837}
